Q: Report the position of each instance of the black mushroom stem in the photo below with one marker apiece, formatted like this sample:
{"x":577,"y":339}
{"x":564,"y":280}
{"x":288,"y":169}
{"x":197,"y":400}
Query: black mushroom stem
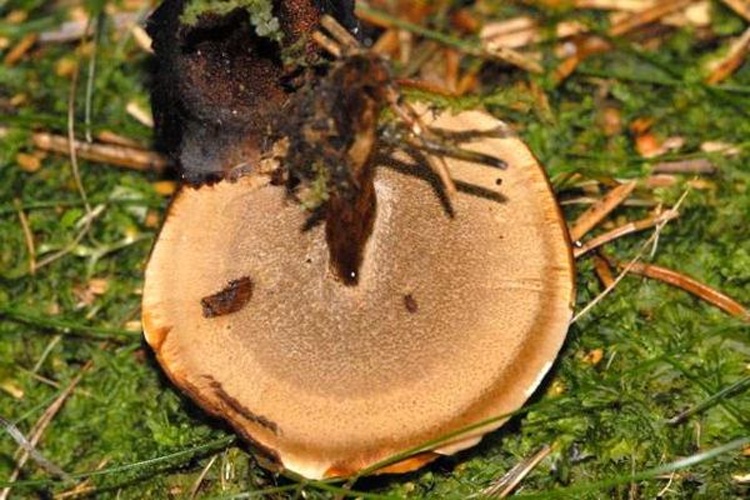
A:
{"x":218,"y":84}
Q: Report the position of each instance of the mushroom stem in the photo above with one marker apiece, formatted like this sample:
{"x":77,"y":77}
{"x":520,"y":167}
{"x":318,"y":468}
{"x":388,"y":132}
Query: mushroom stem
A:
{"x":349,"y":223}
{"x":350,"y":215}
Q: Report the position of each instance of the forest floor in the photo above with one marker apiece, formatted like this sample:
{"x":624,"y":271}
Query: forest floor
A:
{"x":650,"y":396}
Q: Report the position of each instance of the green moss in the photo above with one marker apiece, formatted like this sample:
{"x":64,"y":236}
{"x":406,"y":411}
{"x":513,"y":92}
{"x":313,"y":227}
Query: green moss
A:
{"x":317,"y":191}
{"x":260,"y":11}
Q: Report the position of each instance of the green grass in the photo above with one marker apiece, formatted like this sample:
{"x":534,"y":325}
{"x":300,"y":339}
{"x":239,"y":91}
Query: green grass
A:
{"x":132,"y":435}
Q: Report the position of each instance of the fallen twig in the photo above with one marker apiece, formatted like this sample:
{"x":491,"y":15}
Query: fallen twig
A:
{"x":513,"y":57}
{"x":693,"y":166}
{"x":692,"y":286}
{"x":603,"y":271}
{"x":123,"y":156}
{"x":625,"y":229}
{"x":20,"y":49}
{"x":599,"y":210}
{"x":638,"y":256}
{"x":522,"y":31}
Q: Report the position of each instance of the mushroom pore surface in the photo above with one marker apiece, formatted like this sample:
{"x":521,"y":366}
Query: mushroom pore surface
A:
{"x":456,"y":318}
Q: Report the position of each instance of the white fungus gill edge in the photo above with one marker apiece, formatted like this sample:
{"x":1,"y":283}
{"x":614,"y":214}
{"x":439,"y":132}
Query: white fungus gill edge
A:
{"x":539,"y":379}
{"x":310,"y":470}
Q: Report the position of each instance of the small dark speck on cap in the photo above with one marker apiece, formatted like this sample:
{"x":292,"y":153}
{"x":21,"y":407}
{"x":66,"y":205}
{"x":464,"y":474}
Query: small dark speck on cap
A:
{"x":230,"y":299}
{"x":410,"y":303}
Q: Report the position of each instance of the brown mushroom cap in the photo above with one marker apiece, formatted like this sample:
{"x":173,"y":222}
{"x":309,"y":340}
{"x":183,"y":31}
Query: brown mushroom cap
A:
{"x":454,"y":320}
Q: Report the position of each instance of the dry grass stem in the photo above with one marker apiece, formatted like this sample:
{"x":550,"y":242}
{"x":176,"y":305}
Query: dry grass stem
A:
{"x":39,"y":378}
{"x":28,"y":236}
{"x":438,"y":165}
{"x":71,"y":31}
{"x":620,"y":5}
{"x":625,"y":229}
{"x":142,"y":39}
{"x":506,"y":484}
{"x":514,"y":33}
{"x":613,"y":284}
{"x":599,"y":210}
{"x":110,"y":137}
{"x":430,"y":87}
{"x":647,"y":16}
{"x":692,"y":286}
{"x":371,"y":17}
{"x":32,"y":452}
{"x":339,"y":43}
{"x":387,"y":43}
{"x":452,"y":68}
{"x":405,"y":46}
{"x":47,"y":350}
{"x":23,"y":455}
{"x":667,"y":486}
{"x":693,"y":166}
{"x":73,"y":244}
{"x":523,"y":31}
{"x":733,"y":59}
{"x":328,"y":44}
{"x":660,"y":180}
{"x":603,"y":271}
{"x":469,"y":81}
{"x":511,"y":56}
{"x":721,"y":148}
{"x":419,"y":131}
{"x":339,"y":33}
{"x":72,"y":150}
{"x":82,"y":488}
{"x":199,"y":481}
{"x":141,"y":114}
{"x":589,"y":200}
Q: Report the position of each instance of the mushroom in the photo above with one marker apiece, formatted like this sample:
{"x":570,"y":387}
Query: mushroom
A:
{"x":461,"y":307}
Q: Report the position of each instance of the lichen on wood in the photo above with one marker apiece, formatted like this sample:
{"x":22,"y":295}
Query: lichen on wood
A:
{"x":260,"y":11}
